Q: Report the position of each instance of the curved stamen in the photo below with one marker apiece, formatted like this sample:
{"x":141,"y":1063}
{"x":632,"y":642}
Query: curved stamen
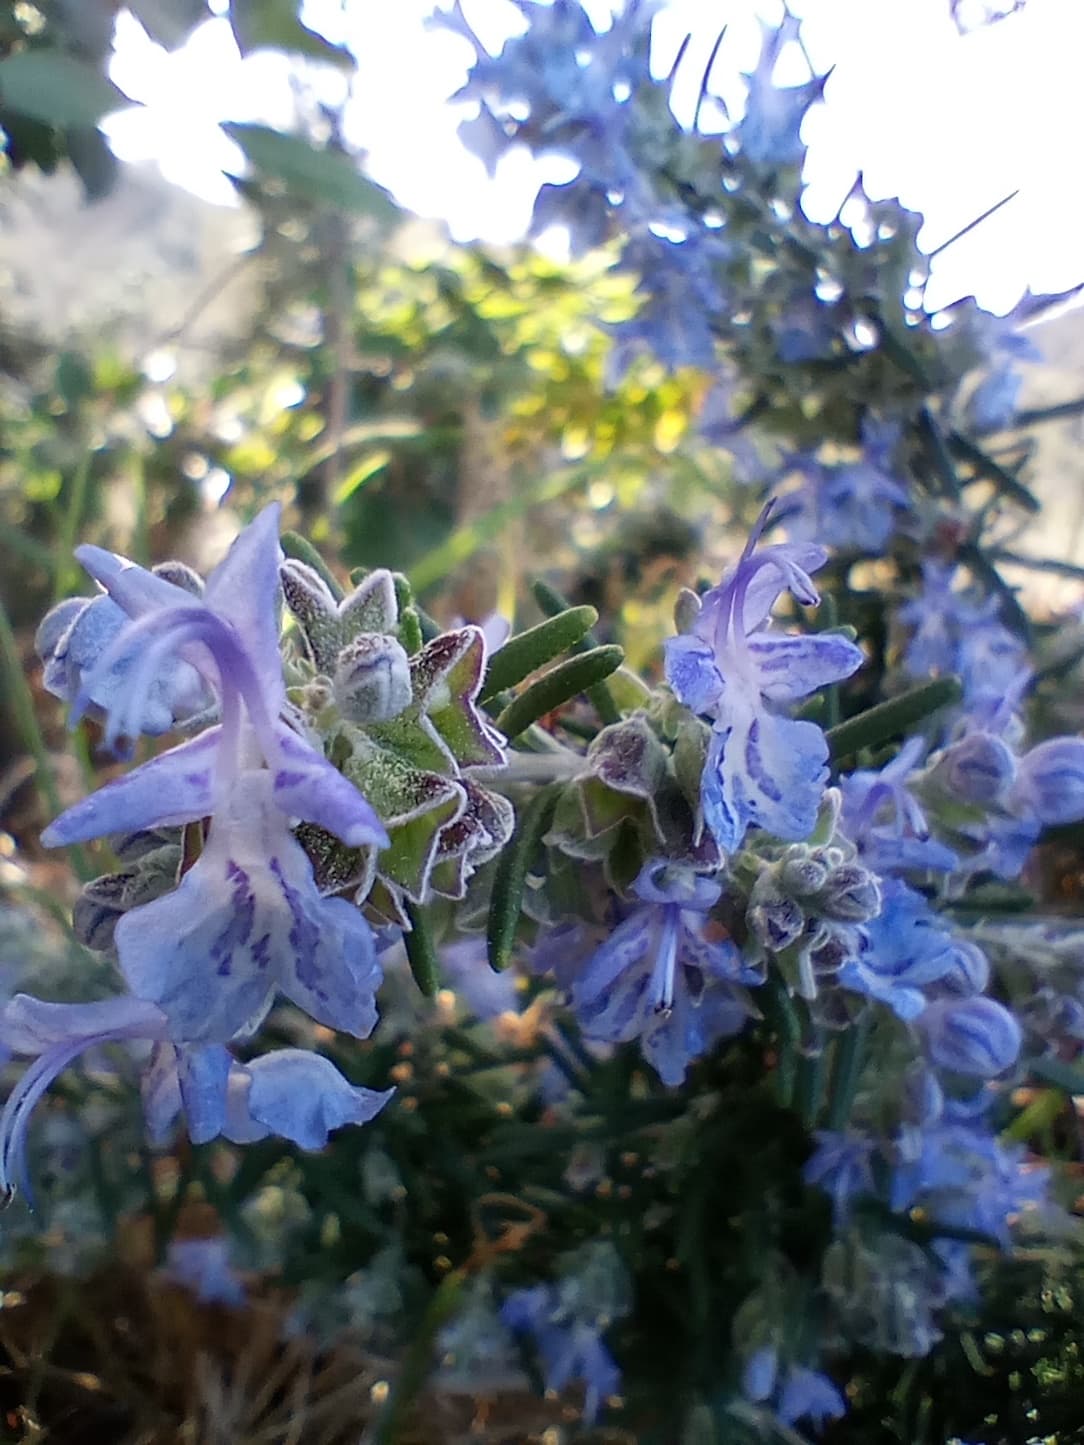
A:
{"x":236,"y":678}
{"x":662,"y":974}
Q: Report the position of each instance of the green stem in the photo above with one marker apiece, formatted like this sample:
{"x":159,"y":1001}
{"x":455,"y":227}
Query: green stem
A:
{"x":21,"y":703}
{"x":849,"y":1057}
{"x":415,"y":1366}
{"x":69,"y":531}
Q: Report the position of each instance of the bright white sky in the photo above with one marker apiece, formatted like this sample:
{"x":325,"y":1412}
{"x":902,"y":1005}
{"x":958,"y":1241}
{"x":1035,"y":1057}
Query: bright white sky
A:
{"x":949,"y":123}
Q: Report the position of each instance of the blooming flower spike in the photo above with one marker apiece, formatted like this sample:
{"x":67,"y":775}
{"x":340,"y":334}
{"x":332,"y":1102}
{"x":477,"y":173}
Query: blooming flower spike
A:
{"x":763,"y":769}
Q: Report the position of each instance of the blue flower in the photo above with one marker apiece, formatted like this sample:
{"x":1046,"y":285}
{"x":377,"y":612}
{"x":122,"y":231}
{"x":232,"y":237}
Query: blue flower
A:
{"x":905,"y":952}
{"x":770,"y":130}
{"x":76,"y":634}
{"x":661,"y":978}
{"x":884,"y":819}
{"x":246,"y":920}
{"x":291,"y":1093}
{"x":203,"y":1266}
{"x":798,"y":1394}
{"x":842,"y":1165}
{"x":852,"y":507}
{"x":963,"y":1177}
{"x":934,"y":618}
{"x":570,"y":1345}
{"x":979,"y":768}
{"x":763,"y":769}
{"x":486,"y":994}
{"x":234,"y":633}
{"x":809,"y":1395}
{"x":682,"y":297}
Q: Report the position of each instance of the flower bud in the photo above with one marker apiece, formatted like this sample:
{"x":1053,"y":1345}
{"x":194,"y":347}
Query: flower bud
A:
{"x":803,"y":874}
{"x":973,"y":1036}
{"x":852,"y":895}
{"x":775,"y":919}
{"x":372,"y":679}
{"x":686,"y":610}
{"x":968,"y":971}
{"x":97,"y":909}
{"x":181,"y":575}
{"x":978,"y":769}
{"x":1051,"y":780}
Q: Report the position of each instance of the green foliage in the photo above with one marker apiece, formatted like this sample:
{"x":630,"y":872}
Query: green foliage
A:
{"x":323,"y":177}
{"x":57,"y":88}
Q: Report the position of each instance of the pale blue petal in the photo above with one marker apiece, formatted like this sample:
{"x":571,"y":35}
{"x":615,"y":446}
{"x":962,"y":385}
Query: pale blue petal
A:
{"x":244,"y":589}
{"x":173,"y":788}
{"x":136,"y":590}
{"x":809,"y":1395}
{"x":332,"y":971}
{"x":208,"y":953}
{"x":160,"y":1090}
{"x":905,"y":1002}
{"x":764,"y":772}
{"x":302,"y":1097}
{"x":692,"y":672}
{"x":629,"y":943}
{"x":244,"y":922}
{"x":787,"y":568}
{"x":759,"y":1375}
{"x":203,"y":1075}
{"x":31,"y":1025}
{"x":50,"y":634}
{"x":310,"y":788}
{"x":203,"y":1266}
{"x":789,"y":668}
{"x":58,"y":1034}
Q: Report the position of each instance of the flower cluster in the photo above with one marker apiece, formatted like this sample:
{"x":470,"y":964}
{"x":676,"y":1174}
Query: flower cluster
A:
{"x":244,"y":922}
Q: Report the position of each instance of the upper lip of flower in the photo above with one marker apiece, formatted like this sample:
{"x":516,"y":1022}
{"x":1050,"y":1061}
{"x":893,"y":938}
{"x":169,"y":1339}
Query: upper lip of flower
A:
{"x":231,"y":635}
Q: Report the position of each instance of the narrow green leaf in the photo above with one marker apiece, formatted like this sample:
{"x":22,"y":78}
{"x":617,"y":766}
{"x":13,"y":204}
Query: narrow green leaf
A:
{"x":987,"y":467}
{"x":1060,"y":412}
{"x":965,"y":230}
{"x":1037,"y":1117}
{"x":274,"y":24}
{"x":358,"y":475}
{"x":889,"y":719}
{"x":1062,"y":1075}
{"x":420,"y":951}
{"x":940,"y":455}
{"x":1037,"y":564}
{"x":466,"y":540}
{"x":506,"y":900}
{"x":530,"y":650}
{"x":552,"y":604}
{"x":980,"y":563}
{"x":411,"y":632}
{"x":302,"y":550}
{"x":326,"y":177}
{"x":555,"y":687}
{"x":57,"y":88}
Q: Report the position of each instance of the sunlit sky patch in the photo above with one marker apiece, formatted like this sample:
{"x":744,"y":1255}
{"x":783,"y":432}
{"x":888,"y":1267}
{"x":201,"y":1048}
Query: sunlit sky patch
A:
{"x":949,"y":123}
